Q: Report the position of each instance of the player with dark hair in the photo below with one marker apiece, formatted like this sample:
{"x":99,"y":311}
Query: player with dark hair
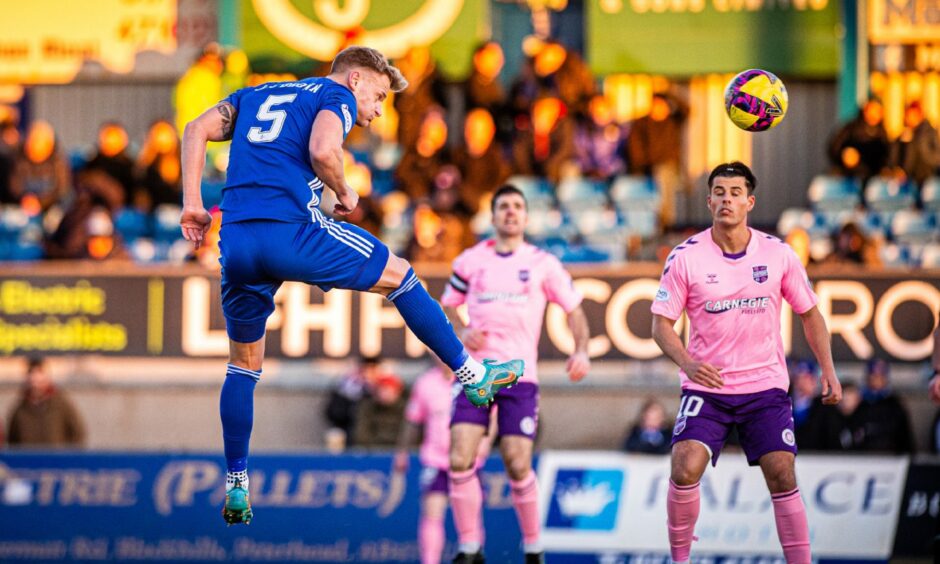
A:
{"x":730,"y":280}
{"x":287,"y":140}
{"x":506,"y":284}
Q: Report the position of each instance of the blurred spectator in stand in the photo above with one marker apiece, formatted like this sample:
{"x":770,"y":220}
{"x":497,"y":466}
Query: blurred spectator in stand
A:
{"x":441,"y":226}
{"x":158,"y":166}
{"x":852,"y":246}
{"x":421,"y":163}
{"x":380,"y":414}
{"x":860,"y":147}
{"x":835,"y":428}
{"x":111,"y":159}
{"x":654,"y":148}
{"x":87,"y":227}
{"x":44,"y":415}
{"x":884,"y":418}
{"x":522,"y":94}
{"x":343,"y":403}
{"x":563,"y":73}
{"x":544,"y":140}
{"x":9,"y":148}
{"x":916,"y":152}
{"x":425,"y":90}
{"x":599,"y":141}
{"x":482,"y":88}
{"x":803,"y":396}
{"x":481,"y":163}
{"x":41,"y":170}
{"x":651,"y":433}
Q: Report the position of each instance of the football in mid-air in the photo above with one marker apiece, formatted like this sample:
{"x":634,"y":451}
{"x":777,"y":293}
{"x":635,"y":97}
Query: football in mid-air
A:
{"x":756,"y":100}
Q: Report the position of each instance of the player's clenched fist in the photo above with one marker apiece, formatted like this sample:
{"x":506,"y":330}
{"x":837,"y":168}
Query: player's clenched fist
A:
{"x":831,"y":389}
{"x":704,"y":374}
{"x":577,"y":366}
{"x":348,"y":201}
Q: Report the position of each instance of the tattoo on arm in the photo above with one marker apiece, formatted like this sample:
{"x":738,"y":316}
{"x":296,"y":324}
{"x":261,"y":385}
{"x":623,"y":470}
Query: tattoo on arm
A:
{"x":228,"y":119}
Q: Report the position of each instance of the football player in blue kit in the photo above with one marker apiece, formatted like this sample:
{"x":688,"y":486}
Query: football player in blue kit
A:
{"x":286,"y":146}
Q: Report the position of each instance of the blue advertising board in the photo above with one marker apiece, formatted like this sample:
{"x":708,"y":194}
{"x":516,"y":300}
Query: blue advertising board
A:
{"x":72,"y":507}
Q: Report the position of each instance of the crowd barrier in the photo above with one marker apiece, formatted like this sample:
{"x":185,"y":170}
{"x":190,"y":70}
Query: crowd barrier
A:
{"x":596,"y":507}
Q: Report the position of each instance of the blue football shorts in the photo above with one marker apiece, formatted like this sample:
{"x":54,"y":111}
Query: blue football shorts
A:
{"x":257,"y":256}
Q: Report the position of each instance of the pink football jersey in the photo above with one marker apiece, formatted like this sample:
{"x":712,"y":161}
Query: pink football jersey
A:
{"x":506,"y":297}
{"x":733,"y":304}
{"x":430,"y":405}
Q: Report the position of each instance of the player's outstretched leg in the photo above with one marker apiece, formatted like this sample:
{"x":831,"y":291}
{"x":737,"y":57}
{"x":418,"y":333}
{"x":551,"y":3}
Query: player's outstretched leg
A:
{"x":236,"y":406}
{"x":426,"y":319}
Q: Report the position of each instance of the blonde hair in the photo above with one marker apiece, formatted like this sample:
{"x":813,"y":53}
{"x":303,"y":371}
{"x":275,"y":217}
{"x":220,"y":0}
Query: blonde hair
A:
{"x":359,"y":56}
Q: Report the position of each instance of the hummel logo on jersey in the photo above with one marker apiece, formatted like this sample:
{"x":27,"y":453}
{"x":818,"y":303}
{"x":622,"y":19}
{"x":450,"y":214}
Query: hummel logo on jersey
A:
{"x":347,"y":119}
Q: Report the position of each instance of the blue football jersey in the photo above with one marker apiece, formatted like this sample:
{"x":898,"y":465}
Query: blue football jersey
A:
{"x":269,"y":172}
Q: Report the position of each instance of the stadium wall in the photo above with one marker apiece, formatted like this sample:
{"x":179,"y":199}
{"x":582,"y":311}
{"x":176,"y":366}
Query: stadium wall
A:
{"x":161,"y":417}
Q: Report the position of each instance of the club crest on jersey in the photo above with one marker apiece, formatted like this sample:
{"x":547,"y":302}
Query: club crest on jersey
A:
{"x":524,"y":275}
{"x":712,"y":279}
{"x":759,"y":273}
{"x":679,"y":426}
{"x":347,"y":119}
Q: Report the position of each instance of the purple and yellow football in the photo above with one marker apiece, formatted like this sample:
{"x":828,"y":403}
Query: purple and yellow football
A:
{"x":756,"y":100}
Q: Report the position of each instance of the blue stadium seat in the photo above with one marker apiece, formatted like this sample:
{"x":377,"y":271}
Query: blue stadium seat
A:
{"x":27,"y":245}
{"x":578,"y":194}
{"x":930,"y":256}
{"x":166,"y":223}
{"x":895,"y":255}
{"x":793,"y":218}
{"x":930,"y":194}
{"x":583,"y":253}
{"x":911,"y":226}
{"x":542,"y":223}
{"x":212,"y":192}
{"x":830,"y":221}
{"x":889,"y":194}
{"x":143,"y":250}
{"x":537,"y":191}
{"x":643,"y":223}
{"x":12,"y":220}
{"x":833,"y":193}
{"x":634,"y":192}
{"x":132,"y":224}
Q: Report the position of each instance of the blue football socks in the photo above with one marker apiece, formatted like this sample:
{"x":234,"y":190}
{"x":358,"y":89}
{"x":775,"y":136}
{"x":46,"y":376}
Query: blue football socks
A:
{"x":236,"y":405}
{"x":427,"y":321}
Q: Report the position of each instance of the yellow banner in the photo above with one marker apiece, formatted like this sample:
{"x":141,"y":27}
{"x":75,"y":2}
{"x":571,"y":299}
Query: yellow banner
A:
{"x":47,"y":41}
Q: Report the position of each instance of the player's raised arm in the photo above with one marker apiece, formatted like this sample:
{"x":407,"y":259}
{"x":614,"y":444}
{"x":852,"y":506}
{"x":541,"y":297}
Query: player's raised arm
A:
{"x":215,"y":124}
{"x":326,"y":156}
